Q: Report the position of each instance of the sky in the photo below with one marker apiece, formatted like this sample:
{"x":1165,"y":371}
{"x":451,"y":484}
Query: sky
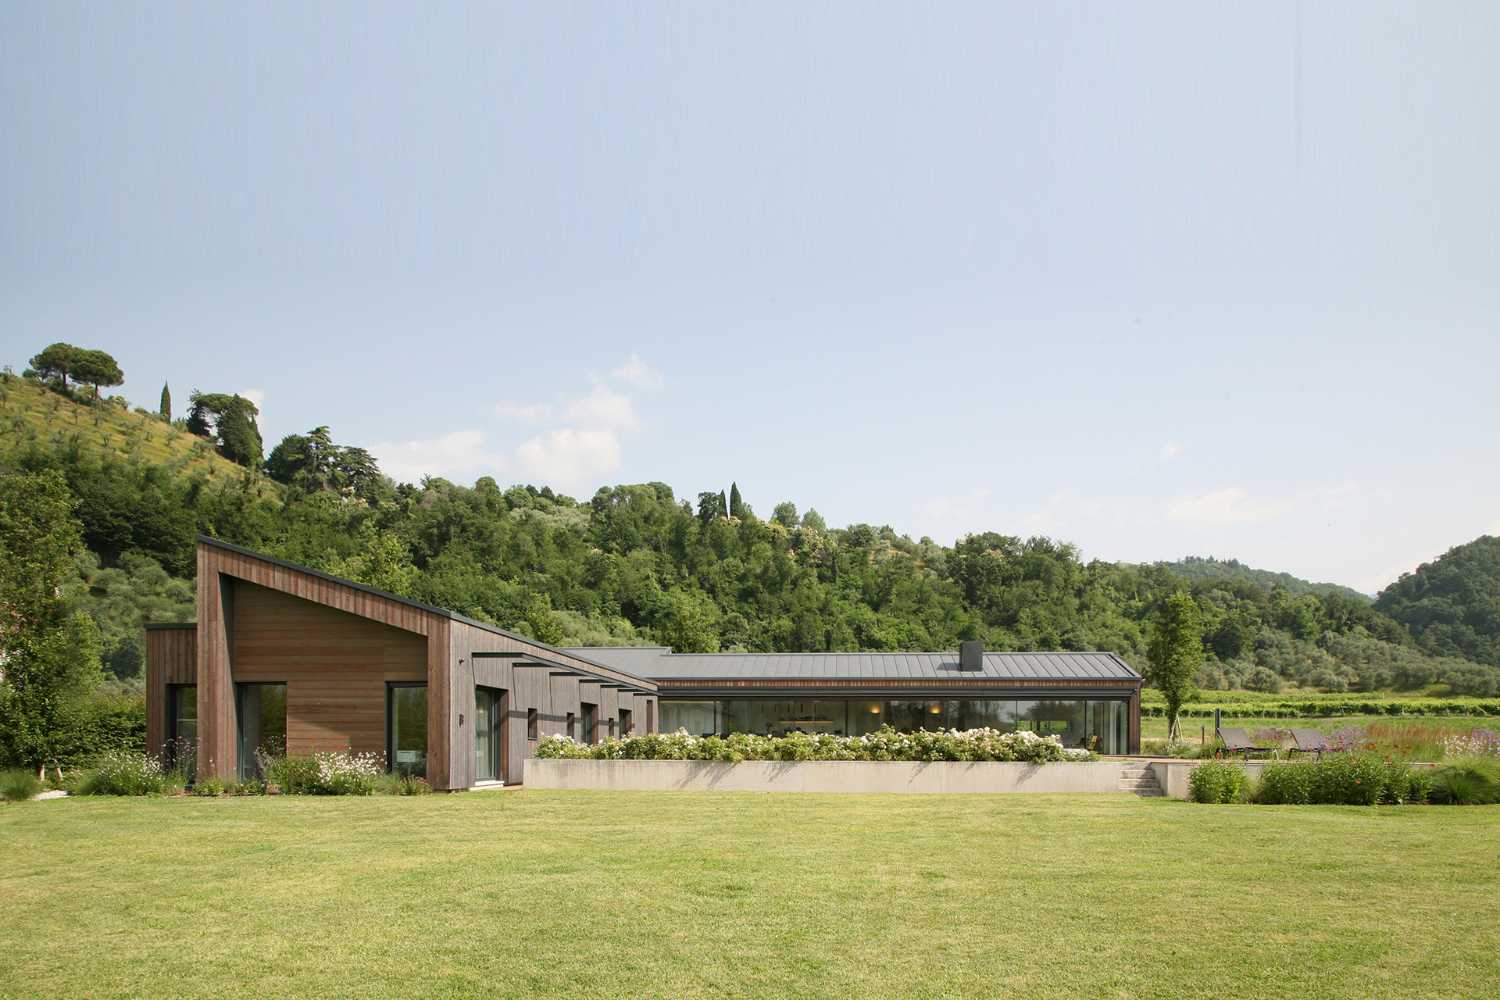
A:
{"x":1157,"y":279}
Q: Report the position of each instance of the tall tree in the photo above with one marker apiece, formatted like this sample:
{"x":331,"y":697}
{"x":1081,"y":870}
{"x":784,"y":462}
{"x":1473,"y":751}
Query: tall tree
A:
{"x":97,"y":368}
{"x":736,"y":504}
{"x":229,"y":420}
{"x":55,"y":364}
{"x":1174,"y":653}
{"x":49,"y":657}
{"x":165,"y":410}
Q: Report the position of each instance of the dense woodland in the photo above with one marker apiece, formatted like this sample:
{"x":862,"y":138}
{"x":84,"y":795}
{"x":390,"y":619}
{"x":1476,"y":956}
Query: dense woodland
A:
{"x":639,"y":563}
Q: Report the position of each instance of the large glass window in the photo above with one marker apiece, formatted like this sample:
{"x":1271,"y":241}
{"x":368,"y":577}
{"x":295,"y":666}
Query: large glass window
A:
{"x":1106,"y":722}
{"x":909,"y":716}
{"x":588,"y":717}
{"x":866,"y":717}
{"x":697,"y":717}
{"x":487,"y":703}
{"x":777,"y":718}
{"x":406,"y":734}
{"x":980,"y":714}
{"x":262,"y":717}
{"x":1063,"y":719}
{"x":182,"y":728}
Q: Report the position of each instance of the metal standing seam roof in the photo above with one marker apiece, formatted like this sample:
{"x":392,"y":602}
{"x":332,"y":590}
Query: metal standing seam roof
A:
{"x":660,"y":663}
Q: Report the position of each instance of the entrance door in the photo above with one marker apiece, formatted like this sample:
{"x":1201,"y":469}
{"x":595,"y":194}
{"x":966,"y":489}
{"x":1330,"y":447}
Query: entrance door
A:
{"x":261,"y":709}
{"x":487,"y":708}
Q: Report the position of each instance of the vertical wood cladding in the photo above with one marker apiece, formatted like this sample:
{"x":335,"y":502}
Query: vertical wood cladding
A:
{"x":171,"y":658}
{"x":335,"y":646}
{"x":335,"y":667}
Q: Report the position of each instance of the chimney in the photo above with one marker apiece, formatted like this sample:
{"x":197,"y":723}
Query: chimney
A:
{"x":971,"y":655}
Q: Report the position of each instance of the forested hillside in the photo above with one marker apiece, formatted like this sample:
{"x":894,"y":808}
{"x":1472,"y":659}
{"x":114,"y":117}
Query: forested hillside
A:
{"x":638,"y":563}
{"x":1452,"y":604}
{"x":1196,"y":568}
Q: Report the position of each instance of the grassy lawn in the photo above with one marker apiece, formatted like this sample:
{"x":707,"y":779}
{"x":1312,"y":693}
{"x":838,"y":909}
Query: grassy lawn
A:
{"x":599,"y":894}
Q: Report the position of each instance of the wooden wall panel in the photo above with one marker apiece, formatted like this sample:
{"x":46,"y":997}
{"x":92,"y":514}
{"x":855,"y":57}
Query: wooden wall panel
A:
{"x":335,"y":666}
{"x":171,"y":658}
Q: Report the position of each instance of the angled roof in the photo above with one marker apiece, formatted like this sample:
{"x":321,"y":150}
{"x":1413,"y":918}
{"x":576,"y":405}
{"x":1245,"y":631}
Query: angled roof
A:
{"x":397,"y":599}
{"x":660,"y":663}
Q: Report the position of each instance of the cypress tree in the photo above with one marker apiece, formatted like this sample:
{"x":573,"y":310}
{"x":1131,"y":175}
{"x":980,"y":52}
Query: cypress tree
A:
{"x":736,"y":505}
{"x":165,"y":410}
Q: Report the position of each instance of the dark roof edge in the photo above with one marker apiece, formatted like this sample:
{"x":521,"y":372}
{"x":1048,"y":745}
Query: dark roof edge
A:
{"x":158,"y":626}
{"x":431,"y":608}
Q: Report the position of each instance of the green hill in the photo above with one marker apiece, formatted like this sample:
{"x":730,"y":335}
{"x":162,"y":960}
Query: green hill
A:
{"x":30,"y":413}
{"x":1199,"y":569}
{"x":1452,"y":604}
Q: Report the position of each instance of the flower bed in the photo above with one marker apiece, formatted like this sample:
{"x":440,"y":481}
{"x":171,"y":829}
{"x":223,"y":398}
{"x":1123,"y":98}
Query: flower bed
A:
{"x":886,"y":744}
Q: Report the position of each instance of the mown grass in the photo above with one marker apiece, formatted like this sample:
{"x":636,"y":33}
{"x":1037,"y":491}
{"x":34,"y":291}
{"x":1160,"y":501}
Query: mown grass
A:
{"x":596,"y":894}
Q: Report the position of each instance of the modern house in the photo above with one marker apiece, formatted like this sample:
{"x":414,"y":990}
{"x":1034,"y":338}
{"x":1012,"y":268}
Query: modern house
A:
{"x":283,"y":657}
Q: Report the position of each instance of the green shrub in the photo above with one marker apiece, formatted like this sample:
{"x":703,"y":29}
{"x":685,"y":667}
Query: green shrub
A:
{"x":1351,"y":779}
{"x":1404,"y":784}
{"x":1286,"y":784}
{"x":336,"y":773}
{"x":18,"y":785}
{"x":1217,"y":781}
{"x":124,"y":772}
{"x":883,"y":744}
{"x":210,"y":787}
{"x":1470,"y":782}
{"x":402,"y":784}
{"x":252,"y":786}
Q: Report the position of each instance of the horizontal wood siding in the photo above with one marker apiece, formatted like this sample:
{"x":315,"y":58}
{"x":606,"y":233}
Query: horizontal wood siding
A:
{"x":171,"y":658}
{"x":335,"y":666}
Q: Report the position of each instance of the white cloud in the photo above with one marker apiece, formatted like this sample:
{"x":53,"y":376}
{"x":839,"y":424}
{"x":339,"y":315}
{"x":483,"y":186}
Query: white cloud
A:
{"x":1170,"y":450}
{"x":602,"y":408}
{"x":1223,"y":508}
{"x":570,"y":456}
{"x":638,"y":373}
{"x":526,"y":413}
{"x":458,"y":455}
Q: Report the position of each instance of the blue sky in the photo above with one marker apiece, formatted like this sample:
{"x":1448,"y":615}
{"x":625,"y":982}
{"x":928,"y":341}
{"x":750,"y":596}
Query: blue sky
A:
{"x":1157,"y":279}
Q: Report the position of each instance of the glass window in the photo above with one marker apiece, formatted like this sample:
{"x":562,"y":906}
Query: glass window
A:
{"x":182,"y":728}
{"x":866,"y":717}
{"x":531,"y":723}
{"x":486,"y":734}
{"x":262,"y":719}
{"x":588,"y":715}
{"x":777,"y":718}
{"x":909,"y":716}
{"x":1063,"y":719}
{"x":697,"y":717}
{"x":625,"y":722}
{"x":1106,"y":726}
{"x":572,"y":726}
{"x":407,"y":736}
{"x":981,"y":714}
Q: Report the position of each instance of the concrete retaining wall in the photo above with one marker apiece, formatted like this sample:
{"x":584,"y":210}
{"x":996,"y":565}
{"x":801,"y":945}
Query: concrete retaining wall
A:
{"x":823,"y":776}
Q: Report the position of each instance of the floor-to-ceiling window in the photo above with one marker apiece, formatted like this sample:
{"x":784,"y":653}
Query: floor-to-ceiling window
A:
{"x":697,"y":717}
{"x":261,"y":710}
{"x":588,"y":718}
{"x":1098,"y":725}
{"x":406,"y":729}
{"x":181,"y":750}
{"x":487,"y":708}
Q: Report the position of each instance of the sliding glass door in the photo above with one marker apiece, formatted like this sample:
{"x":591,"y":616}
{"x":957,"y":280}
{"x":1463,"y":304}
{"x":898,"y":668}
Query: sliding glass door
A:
{"x":488,"y":705}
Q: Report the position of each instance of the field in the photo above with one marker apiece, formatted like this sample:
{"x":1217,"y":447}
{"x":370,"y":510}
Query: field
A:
{"x":30,"y":412}
{"x":597,"y":894}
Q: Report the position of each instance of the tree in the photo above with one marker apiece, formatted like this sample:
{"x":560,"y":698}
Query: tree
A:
{"x":785,"y":514}
{"x":229,"y":420}
{"x":736,"y":504}
{"x":96,"y":368}
{"x":165,"y":410}
{"x":1175,"y":653}
{"x":55,"y":364}
{"x":49,"y":656}
{"x":312,"y":462}
{"x":710,"y":506}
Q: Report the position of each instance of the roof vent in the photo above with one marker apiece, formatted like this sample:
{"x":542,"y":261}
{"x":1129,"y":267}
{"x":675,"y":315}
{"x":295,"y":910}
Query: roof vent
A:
{"x":971,"y":655}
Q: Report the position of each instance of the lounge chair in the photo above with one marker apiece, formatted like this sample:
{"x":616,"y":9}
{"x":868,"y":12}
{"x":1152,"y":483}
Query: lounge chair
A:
{"x":1239,"y":741}
{"x":1310,"y":741}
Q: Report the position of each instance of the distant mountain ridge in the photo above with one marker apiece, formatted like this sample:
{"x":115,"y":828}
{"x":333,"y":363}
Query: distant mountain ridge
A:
{"x":1204,"y":568}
